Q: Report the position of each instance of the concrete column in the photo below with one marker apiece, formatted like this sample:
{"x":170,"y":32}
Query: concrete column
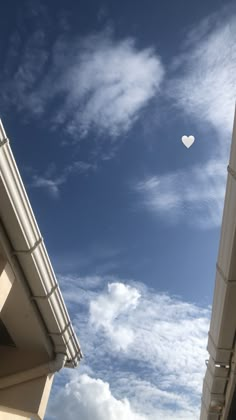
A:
{"x":6,"y":281}
{"x":28,"y":399}
{"x":11,"y":416}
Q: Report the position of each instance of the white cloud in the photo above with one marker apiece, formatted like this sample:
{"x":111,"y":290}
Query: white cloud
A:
{"x":88,"y":282}
{"x":203,"y":87}
{"x":206,"y":85}
{"x":91,"y":398}
{"x":95,"y":83}
{"x":87,"y":398}
{"x":168,"y":333}
{"x":98,"y":255}
{"x":194,"y":196}
{"x":106,"y":83}
{"x":158,"y":403}
{"x":161,"y":368}
{"x":52,"y":183}
{"x":120,"y":299}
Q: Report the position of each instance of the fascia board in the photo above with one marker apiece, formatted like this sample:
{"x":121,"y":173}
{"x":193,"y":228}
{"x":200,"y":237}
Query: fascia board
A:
{"x":25,"y":238}
{"x":223,"y":318}
{"x":221,"y":340}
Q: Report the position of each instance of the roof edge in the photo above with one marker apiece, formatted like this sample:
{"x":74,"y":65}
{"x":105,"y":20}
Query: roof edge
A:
{"x":29,"y":249}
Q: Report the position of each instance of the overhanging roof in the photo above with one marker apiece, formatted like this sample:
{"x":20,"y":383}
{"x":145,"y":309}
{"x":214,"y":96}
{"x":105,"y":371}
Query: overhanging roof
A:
{"x":23,"y":245}
{"x":218,"y":396}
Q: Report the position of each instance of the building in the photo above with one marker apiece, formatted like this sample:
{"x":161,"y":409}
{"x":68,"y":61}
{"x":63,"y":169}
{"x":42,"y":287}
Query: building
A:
{"x":36,"y":335}
{"x":219,"y":391}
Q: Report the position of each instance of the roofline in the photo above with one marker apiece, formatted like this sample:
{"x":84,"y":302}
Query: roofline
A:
{"x":220,"y":380}
{"x":31,"y":254}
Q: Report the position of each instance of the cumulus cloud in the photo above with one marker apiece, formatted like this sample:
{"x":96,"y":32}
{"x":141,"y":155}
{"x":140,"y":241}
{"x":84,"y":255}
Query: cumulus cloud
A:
{"x":91,"y":398}
{"x":119,"y":300}
{"x":161,"y":368}
{"x":194,"y":196}
{"x":88,"y":398}
{"x":156,"y":322}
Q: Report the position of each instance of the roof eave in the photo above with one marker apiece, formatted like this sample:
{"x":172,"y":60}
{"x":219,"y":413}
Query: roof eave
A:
{"x":28,"y":248}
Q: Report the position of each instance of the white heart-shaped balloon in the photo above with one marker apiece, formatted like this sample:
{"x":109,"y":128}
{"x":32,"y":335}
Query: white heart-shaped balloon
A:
{"x":188,"y":141}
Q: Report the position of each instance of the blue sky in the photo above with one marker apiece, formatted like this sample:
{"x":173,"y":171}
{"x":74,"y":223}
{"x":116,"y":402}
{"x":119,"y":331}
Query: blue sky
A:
{"x":95,"y":97}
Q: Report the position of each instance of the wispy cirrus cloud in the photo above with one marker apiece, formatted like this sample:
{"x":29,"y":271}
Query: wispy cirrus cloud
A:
{"x":156,"y":374}
{"x":194,"y":196}
{"x":52,"y":182}
{"x":104,"y":82}
{"x":154,"y":321}
{"x":98,"y":255}
{"x":51,"y":185}
{"x":22,"y":69}
{"x":202,"y":85}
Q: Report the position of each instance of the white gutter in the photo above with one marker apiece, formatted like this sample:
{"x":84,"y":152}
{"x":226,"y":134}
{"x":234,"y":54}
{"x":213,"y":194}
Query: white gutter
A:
{"x":18,"y":273}
{"x":219,"y":381}
{"x":29,"y":253}
{"x":36,"y":372}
